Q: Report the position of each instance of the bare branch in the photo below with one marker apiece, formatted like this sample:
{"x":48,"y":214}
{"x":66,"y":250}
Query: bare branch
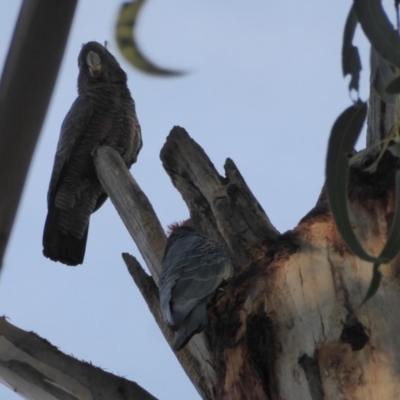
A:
{"x":26,"y":86}
{"x":149,"y":291}
{"x":34,"y":368}
{"x":133,"y":207}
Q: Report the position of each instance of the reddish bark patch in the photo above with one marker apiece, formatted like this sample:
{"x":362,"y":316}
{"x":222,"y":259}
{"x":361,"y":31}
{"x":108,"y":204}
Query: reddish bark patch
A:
{"x":321,"y":209}
{"x":287,"y":244}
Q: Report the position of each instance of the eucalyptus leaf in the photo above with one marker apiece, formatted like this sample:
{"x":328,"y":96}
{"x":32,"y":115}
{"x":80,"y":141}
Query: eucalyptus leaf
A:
{"x":351,"y":63}
{"x":374,"y":284}
{"x":126,"y":40}
{"x":392,"y":246}
{"x":344,"y":134}
{"x":378,"y":29}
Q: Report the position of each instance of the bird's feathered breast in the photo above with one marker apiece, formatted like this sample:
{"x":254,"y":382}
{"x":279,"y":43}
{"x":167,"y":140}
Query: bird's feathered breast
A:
{"x":103,"y":115}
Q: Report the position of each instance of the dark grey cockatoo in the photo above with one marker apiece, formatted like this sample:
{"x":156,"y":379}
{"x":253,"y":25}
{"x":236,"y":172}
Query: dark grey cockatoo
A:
{"x":103,"y":114}
{"x":192,"y":269}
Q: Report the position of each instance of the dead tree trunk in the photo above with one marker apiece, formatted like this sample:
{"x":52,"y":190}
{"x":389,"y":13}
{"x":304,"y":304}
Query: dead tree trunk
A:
{"x":287,"y":325}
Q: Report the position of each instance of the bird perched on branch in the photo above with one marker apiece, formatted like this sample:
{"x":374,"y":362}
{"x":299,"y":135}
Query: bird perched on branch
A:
{"x":102,"y":115}
{"x":192,"y":269}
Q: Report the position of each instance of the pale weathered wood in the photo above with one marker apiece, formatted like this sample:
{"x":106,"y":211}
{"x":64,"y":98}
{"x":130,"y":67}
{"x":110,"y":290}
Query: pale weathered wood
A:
{"x":37,"y":370}
{"x":317,"y":288}
{"x":38,"y":42}
{"x":149,"y":291}
{"x":133,"y":207}
{"x":218,"y":206}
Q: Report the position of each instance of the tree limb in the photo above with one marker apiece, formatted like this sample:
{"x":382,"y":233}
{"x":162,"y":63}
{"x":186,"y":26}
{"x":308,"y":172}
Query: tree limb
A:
{"x":26,"y":86}
{"x":37,"y":370}
{"x":133,"y":206}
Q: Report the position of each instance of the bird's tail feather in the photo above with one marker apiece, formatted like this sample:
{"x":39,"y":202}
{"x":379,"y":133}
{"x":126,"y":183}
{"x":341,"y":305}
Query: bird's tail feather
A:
{"x":61,"y":247}
{"x":194,"y":323}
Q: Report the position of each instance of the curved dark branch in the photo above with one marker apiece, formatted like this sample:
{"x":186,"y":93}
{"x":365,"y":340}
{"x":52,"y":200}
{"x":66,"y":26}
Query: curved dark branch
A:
{"x":26,"y":86}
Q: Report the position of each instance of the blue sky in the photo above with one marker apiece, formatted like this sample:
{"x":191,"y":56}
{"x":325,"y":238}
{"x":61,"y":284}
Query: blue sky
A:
{"x":264,"y":88}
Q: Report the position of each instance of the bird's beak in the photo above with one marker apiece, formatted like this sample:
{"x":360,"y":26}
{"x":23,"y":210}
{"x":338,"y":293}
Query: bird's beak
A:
{"x":94,"y":63}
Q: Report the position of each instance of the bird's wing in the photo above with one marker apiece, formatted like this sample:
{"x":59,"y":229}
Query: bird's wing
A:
{"x":73,"y":126}
{"x":174,"y":264}
{"x":195,"y":271}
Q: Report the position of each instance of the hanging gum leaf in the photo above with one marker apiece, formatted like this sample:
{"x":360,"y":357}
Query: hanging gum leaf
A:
{"x":392,"y":246}
{"x":344,"y":134}
{"x":390,"y":250}
{"x":378,"y":29}
{"x":374,"y":284}
{"x":127,"y":43}
{"x":351,"y":63}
